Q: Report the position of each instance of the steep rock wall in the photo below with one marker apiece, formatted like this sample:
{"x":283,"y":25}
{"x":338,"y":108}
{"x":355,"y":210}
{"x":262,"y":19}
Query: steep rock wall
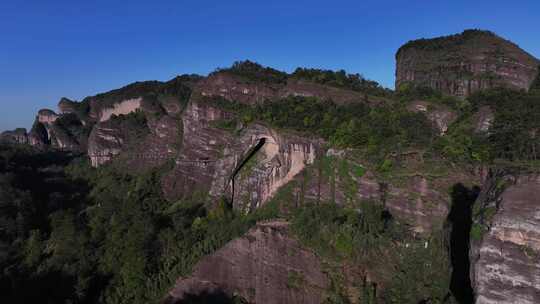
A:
{"x":210,"y":155}
{"x":264,"y":266}
{"x":505,"y":251}
{"x":104,"y":143}
{"x":462,"y":64}
{"x":281,"y":158}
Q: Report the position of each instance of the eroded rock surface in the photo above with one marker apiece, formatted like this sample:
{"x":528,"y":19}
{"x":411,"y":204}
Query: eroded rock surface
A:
{"x":440,"y":116}
{"x":236,"y":88}
{"x":505,"y":250}
{"x":211,"y":154}
{"x":266,"y":265}
{"x":483,"y":119}
{"x":462,"y":64}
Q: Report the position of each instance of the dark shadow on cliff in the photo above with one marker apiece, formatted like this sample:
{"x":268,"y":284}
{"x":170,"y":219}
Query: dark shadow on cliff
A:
{"x":460,"y":221}
{"x":248,"y":155}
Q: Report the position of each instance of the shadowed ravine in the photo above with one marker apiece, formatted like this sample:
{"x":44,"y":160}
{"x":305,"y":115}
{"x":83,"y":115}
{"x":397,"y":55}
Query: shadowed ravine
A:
{"x":460,"y":219}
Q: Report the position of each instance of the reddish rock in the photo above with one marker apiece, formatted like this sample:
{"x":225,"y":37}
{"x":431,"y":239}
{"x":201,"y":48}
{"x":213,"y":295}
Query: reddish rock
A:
{"x":210,"y":155}
{"x":505,"y":251}
{"x":462,"y":64}
{"x":266,"y":265}
{"x":237,"y":88}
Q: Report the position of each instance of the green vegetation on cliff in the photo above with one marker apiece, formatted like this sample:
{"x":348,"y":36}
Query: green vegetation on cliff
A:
{"x":255,"y":72}
{"x":512,"y":134}
{"x":341,"y":79}
{"x":445,"y":42}
{"x":379,"y":130}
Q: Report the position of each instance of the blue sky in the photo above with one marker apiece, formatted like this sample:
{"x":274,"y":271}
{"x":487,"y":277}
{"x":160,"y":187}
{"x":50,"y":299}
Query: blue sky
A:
{"x":50,"y":49}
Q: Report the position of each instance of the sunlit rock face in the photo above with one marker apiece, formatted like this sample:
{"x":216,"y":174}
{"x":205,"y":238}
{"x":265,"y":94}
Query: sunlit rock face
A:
{"x":58,"y":131}
{"x":202,"y":146}
{"x":266,"y":265}
{"x":505,"y":252}
{"x":235,"y":88}
{"x":210,"y":155}
{"x":122,"y":108}
{"x":280,"y":158}
{"x":462,"y":64}
{"x":104,"y":143}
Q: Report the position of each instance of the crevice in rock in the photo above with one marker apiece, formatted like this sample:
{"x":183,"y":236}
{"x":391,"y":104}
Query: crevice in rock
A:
{"x":248,"y":155}
{"x":460,"y":222}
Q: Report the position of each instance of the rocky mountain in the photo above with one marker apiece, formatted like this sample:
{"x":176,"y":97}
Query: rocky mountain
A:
{"x":462,"y":64}
{"x":303,"y":187}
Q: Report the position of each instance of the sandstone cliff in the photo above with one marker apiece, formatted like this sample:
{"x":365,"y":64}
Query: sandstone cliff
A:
{"x":266,"y":265}
{"x":505,"y":240}
{"x":211,"y":154}
{"x":462,"y":64}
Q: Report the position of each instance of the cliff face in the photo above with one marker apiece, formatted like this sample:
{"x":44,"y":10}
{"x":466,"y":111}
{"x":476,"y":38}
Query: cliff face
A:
{"x":266,"y":265}
{"x":62,"y":132}
{"x":211,"y":156}
{"x":461,"y":64}
{"x":505,"y":241}
{"x":235,"y":88}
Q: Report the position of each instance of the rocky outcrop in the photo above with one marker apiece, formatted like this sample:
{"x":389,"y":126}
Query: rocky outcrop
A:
{"x":210,"y":155}
{"x":483,"y":119}
{"x":505,"y":240}
{"x":122,"y":108}
{"x":279,"y":160}
{"x":161,"y":145}
{"x":266,"y":265}
{"x":63,"y":132}
{"x":236,"y":88}
{"x":105,"y":142}
{"x":233,"y":87}
{"x":419,"y":199}
{"x":141,"y":119}
{"x":66,"y":106}
{"x":440,"y":116}
{"x":17,"y":136}
{"x":462,"y":64}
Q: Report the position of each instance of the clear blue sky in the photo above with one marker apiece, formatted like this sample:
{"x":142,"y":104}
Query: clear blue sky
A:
{"x":50,"y":49}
